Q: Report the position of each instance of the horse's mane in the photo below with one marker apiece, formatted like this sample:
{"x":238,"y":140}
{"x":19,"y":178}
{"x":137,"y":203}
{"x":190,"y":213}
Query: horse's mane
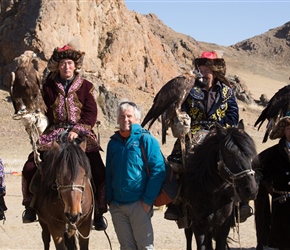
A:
{"x":64,"y":160}
{"x":202,"y":163}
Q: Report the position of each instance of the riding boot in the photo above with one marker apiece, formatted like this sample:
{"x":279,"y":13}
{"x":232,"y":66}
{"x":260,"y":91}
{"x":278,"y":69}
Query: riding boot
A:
{"x":173,"y":212}
{"x":245,"y":211}
{"x":2,"y":207}
{"x":29,"y":214}
{"x":98,"y":181}
{"x":99,"y":222}
{"x":29,"y":169}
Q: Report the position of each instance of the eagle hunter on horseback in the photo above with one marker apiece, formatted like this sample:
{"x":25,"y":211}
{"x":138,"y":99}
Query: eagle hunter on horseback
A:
{"x":208,"y":98}
{"x":272,"y":165}
{"x":71,"y":106}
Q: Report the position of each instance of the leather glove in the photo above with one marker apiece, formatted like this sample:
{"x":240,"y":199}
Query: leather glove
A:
{"x":181,"y":125}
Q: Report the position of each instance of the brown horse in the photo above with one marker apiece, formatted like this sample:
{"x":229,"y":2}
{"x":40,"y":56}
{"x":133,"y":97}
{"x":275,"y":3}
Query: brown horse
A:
{"x":64,"y":201}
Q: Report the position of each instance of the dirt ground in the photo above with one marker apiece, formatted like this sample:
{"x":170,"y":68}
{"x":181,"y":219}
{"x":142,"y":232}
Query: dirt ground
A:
{"x":14,"y":149}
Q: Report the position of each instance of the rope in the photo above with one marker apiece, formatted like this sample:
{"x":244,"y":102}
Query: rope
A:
{"x":237,"y":225}
{"x":32,"y":131}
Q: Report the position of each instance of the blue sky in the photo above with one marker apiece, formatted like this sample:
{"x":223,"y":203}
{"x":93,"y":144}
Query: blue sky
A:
{"x":221,"y":22}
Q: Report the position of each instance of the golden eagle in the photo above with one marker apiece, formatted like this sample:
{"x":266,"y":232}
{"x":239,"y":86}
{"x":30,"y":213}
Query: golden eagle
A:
{"x":276,"y":108}
{"x":25,"y":89}
{"x":167,"y":102}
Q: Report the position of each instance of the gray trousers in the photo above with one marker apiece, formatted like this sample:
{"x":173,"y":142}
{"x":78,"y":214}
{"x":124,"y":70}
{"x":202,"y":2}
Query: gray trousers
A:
{"x":133,"y":226}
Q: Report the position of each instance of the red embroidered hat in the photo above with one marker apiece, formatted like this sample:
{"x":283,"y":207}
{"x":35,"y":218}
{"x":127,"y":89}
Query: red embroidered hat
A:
{"x":211,"y":59}
{"x":214,"y":62}
{"x":209,"y":55}
{"x":68,"y":51}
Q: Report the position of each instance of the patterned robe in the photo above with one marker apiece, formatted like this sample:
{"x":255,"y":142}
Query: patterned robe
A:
{"x":273,"y":165}
{"x":207,"y":107}
{"x":76,"y":110}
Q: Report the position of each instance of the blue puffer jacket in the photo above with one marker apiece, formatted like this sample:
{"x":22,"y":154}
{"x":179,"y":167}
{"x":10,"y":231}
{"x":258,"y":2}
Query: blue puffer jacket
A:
{"x":127,"y":180}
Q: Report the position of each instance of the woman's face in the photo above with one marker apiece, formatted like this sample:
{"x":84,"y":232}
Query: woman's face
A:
{"x":126,"y":118}
{"x":208,"y":77}
{"x":66,"y":68}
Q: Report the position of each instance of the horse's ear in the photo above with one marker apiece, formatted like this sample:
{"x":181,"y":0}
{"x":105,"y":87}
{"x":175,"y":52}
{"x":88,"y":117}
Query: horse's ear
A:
{"x":83,"y":145}
{"x":241,"y":125}
{"x":55,"y":145}
{"x":219,"y":128}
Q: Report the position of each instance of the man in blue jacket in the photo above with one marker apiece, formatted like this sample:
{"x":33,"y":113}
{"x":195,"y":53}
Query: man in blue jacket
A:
{"x":131,"y":188}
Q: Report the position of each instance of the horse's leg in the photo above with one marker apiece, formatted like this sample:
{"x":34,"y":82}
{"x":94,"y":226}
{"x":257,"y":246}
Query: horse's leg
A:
{"x":221,"y":235}
{"x":262,"y":216}
{"x":45,"y":235}
{"x":200,"y":239}
{"x":70,"y":241}
{"x":57,"y":234}
{"x":84,"y":244}
{"x":188,"y":234}
{"x":208,"y":241}
{"x":85,"y":231}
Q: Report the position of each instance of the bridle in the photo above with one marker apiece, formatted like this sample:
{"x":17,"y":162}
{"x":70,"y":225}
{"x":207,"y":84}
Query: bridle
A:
{"x":231,"y":177}
{"x":71,"y":187}
{"x":74,"y":187}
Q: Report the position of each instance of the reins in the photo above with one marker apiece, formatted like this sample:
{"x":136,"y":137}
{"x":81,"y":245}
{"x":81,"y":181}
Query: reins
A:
{"x":232,"y":176}
{"x":80,"y":188}
{"x":29,"y":121}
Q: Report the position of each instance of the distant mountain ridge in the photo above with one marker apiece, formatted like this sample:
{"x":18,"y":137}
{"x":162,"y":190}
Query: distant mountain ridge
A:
{"x":128,"y":55}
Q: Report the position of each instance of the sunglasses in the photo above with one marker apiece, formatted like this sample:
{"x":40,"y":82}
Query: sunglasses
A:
{"x":130,"y":103}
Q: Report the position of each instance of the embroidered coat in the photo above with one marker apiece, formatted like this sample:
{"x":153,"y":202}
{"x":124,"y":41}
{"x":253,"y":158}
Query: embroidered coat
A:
{"x":75,"y":110}
{"x":273,"y":165}
{"x":217,"y":105}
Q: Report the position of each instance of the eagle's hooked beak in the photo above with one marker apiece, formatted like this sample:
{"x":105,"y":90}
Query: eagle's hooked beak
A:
{"x":198,"y":74}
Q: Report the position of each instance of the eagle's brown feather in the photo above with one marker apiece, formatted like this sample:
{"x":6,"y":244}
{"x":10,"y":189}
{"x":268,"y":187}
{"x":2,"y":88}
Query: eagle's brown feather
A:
{"x":26,"y":86}
{"x":168,"y":101}
{"x":276,"y":108}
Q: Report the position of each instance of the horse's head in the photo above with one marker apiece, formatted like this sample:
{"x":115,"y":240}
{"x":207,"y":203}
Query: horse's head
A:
{"x":236,"y":151}
{"x":72,"y":178}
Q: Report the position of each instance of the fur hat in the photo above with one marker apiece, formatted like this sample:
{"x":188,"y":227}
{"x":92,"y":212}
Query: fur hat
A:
{"x":214,"y":62}
{"x":278,"y":130}
{"x":66,"y":52}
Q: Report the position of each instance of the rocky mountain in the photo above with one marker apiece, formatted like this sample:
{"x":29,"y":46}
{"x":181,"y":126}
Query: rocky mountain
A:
{"x":128,"y":55}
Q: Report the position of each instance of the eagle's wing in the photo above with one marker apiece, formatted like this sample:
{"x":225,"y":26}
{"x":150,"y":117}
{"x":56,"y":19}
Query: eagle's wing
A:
{"x":168,"y":101}
{"x":169,"y":97}
{"x":276,"y":108}
{"x":26,"y":86}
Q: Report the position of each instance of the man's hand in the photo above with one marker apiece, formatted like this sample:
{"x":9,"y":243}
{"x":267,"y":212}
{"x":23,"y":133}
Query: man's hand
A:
{"x":146,"y":207}
{"x":71,"y":136}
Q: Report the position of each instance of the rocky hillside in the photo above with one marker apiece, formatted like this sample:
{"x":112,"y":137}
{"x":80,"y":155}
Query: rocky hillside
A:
{"x":128,"y":55}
